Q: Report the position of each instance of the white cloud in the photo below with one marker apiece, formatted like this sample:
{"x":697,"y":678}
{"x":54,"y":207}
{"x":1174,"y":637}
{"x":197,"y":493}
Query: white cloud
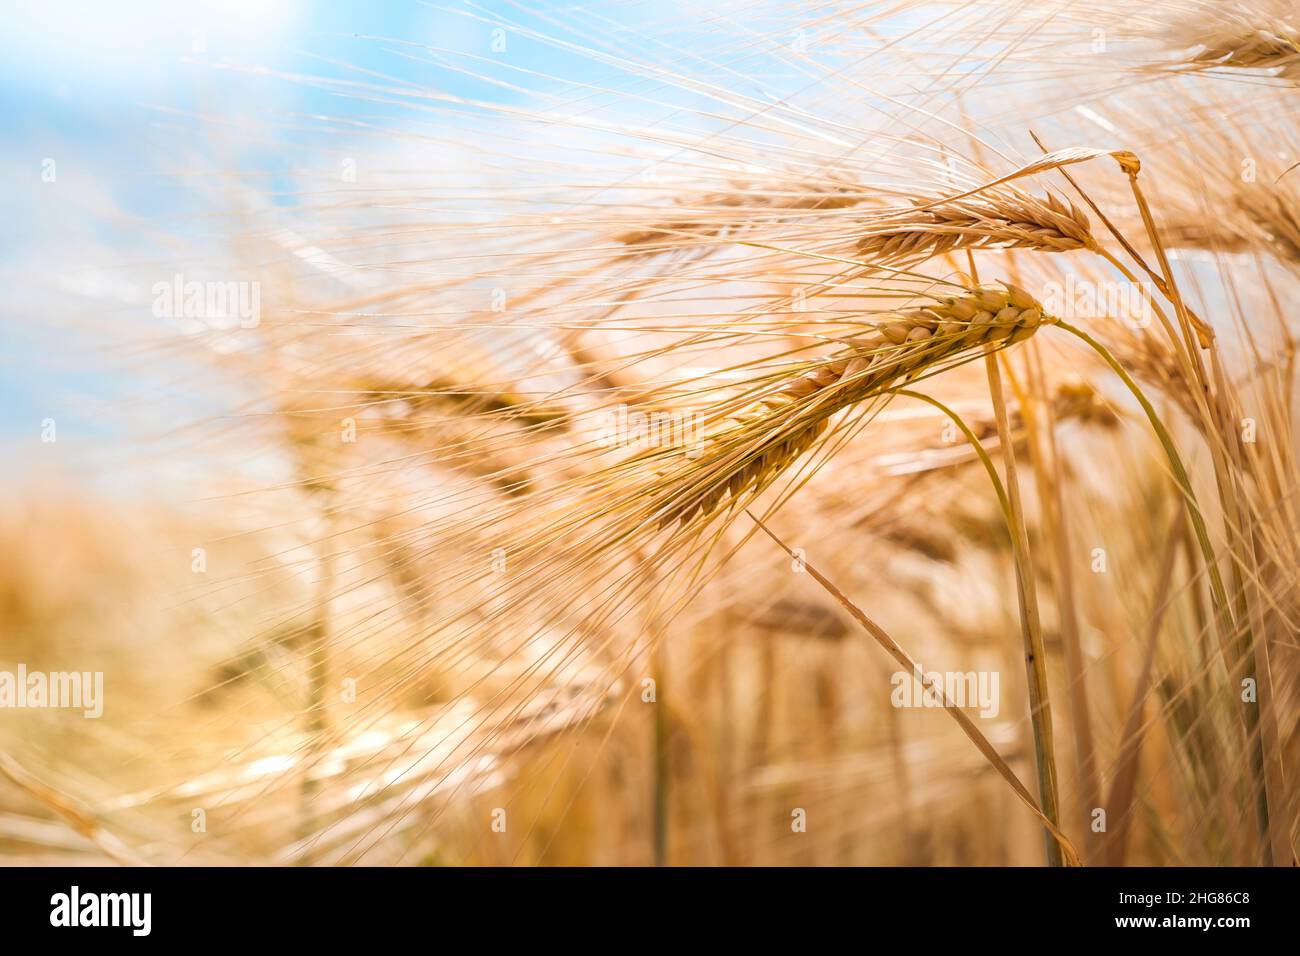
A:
{"x":129,"y":44}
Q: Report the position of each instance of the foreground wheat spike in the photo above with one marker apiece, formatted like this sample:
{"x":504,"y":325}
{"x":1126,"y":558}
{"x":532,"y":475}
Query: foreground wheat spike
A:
{"x":1003,"y":220}
{"x":750,"y":449}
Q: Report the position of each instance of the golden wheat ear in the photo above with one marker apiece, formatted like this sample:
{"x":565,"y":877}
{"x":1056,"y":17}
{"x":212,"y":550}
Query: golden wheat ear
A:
{"x":993,"y":219}
{"x":752,"y":448}
{"x":1274,"y":47}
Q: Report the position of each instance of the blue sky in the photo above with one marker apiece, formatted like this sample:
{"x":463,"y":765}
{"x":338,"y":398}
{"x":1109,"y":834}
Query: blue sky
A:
{"x":101,"y":90}
{"x":124,"y":99}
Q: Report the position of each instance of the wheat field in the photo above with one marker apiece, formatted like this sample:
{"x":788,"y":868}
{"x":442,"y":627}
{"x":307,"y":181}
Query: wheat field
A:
{"x":612,"y":434}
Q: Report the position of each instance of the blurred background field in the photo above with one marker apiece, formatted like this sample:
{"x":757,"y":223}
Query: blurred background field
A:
{"x":315,"y":559}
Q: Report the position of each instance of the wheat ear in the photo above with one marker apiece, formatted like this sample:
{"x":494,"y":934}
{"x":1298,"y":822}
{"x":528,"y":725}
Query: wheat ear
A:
{"x":753,"y":447}
{"x":1276,"y":48}
{"x":1006,"y":220}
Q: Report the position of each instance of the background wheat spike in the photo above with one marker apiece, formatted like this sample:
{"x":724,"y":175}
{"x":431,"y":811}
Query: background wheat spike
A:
{"x":1253,"y":35}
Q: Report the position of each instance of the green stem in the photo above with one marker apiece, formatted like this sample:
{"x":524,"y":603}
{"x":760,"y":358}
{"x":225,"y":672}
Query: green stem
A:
{"x":1040,"y":710}
{"x":1175,"y":462}
{"x":1223,"y":608}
